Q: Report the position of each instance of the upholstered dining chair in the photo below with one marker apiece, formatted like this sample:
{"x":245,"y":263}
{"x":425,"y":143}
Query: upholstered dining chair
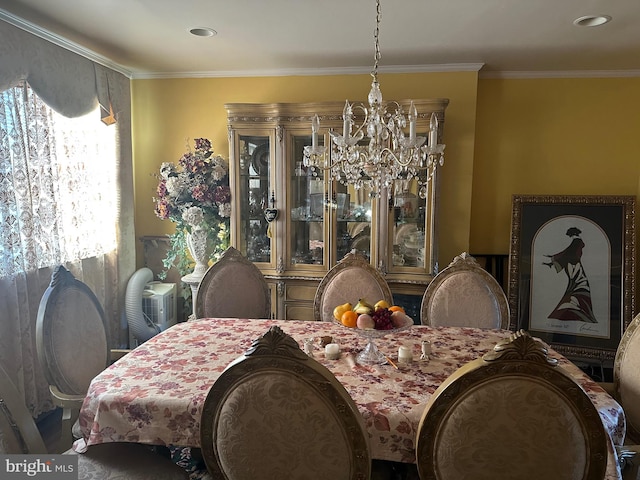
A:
{"x":625,"y":388}
{"x":233,"y":287}
{"x":18,"y":431}
{"x":464,"y":295}
{"x":514,"y":413}
{"x":115,"y":461}
{"x":349,"y":280}
{"x":72,"y":342}
{"x":278,"y":413}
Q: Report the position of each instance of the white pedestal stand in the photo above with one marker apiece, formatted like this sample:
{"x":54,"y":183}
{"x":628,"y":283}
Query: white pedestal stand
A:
{"x":193,"y":280}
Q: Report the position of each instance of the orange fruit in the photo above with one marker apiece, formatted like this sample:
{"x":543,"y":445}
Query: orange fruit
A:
{"x":396,"y":308}
{"x":349,"y":319}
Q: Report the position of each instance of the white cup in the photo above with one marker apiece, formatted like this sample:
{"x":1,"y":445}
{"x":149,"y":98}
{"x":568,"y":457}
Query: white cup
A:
{"x":404,"y":354}
{"x":332,"y":351}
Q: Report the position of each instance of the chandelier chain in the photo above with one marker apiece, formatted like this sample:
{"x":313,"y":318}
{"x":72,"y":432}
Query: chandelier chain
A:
{"x":376,"y":35}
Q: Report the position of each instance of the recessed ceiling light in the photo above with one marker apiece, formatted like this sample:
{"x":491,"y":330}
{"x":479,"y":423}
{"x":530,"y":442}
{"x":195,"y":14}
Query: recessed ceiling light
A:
{"x":203,"y":32}
{"x":592,"y":20}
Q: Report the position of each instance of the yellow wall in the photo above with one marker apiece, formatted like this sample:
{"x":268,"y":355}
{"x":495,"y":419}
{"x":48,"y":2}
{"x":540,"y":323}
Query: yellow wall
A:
{"x":167,"y":112}
{"x":528,"y":136}
{"x":550,"y":136}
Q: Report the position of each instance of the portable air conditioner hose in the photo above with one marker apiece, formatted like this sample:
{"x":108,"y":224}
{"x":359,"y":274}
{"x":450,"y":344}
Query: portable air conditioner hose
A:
{"x":139,"y":325}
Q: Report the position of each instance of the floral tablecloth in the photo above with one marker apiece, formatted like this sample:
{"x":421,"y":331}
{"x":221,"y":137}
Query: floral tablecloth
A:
{"x":154,"y":394}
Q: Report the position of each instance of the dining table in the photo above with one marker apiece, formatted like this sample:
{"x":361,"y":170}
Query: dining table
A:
{"x":155,"y":394}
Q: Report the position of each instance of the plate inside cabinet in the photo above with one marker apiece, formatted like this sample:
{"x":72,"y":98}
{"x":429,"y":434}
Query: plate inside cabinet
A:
{"x":404,"y":232}
{"x":260,"y":159}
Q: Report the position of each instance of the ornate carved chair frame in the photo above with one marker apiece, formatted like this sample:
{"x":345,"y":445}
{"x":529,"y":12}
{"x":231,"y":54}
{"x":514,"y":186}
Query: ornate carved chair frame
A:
{"x":233,"y":287}
{"x":465,"y":265}
{"x":495,"y":441}
{"x":231,"y":434}
{"x":367,"y":282}
{"x":72,"y":341}
{"x":625,"y":389}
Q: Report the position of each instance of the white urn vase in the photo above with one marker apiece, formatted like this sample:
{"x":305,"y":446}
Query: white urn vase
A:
{"x":199,"y":248}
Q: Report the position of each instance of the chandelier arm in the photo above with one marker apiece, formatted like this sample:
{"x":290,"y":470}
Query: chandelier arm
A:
{"x":390,"y":154}
{"x":397,"y":159}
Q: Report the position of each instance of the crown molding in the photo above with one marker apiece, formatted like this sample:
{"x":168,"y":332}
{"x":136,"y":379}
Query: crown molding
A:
{"x":305,"y":72}
{"x":561,"y":74}
{"x":62,"y":42}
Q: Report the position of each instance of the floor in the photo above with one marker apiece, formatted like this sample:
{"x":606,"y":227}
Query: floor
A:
{"x":49,"y":425}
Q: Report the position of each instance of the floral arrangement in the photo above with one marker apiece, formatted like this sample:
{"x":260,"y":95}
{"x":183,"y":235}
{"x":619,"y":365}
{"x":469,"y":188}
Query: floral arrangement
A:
{"x":195,"y":194}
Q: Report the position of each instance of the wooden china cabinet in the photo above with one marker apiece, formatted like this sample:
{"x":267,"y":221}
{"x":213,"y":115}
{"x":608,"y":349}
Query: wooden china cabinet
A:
{"x":317,"y":219}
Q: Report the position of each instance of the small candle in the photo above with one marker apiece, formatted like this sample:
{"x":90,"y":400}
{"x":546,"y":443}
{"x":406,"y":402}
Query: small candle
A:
{"x":404,"y":354}
{"x":332,"y":351}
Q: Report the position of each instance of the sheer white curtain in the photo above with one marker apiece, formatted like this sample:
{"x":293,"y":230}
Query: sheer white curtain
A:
{"x":58,"y":205}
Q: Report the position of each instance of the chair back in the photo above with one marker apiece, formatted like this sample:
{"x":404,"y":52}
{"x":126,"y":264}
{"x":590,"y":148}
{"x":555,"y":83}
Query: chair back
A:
{"x":512,"y":414}
{"x":233,"y":287}
{"x":351,"y":279}
{"x":72,"y":337}
{"x":18,"y":431}
{"x":277,"y":413}
{"x":626,"y":377}
{"x":465,"y":295}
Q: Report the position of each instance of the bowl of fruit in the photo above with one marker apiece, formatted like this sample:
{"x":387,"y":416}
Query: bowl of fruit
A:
{"x":372,"y":321}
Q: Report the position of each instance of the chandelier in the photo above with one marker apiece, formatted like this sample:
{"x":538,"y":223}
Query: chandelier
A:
{"x":387,"y":154}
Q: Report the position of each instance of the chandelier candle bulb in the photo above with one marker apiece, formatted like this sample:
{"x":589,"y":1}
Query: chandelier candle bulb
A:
{"x":346,"y":125}
{"x":404,"y":354}
{"x":315,"y":125}
{"x":332,"y":351}
{"x":433,"y":131}
{"x":413,"y":115}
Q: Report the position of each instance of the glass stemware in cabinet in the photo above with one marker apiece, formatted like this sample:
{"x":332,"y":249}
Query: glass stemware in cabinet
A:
{"x":255,"y":187}
{"x":307,"y":199}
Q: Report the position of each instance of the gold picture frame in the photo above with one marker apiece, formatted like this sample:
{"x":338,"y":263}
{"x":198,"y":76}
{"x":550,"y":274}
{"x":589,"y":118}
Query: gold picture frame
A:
{"x":571,"y":271}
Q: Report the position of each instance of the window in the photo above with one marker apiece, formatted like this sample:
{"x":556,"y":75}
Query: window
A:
{"x":58,"y":186}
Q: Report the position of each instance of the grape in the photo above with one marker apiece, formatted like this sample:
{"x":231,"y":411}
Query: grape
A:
{"x":382,"y":319}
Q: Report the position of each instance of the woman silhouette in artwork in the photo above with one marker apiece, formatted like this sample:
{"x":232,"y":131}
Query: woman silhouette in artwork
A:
{"x":575,"y":304}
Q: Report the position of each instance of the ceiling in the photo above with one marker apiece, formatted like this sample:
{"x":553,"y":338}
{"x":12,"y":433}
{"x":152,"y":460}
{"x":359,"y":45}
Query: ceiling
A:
{"x":150,"y":38}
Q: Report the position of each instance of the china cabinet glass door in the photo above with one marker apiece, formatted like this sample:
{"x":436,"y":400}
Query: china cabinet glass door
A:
{"x":353,"y":220}
{"x":255,"y":186}
{"x":411,"y":226}
{"x":307,"y":208}
{"x":408,"y":218}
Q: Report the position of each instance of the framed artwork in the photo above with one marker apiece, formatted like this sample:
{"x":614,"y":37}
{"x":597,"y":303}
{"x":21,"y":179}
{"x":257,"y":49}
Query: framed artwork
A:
{"x":571,"y":271}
